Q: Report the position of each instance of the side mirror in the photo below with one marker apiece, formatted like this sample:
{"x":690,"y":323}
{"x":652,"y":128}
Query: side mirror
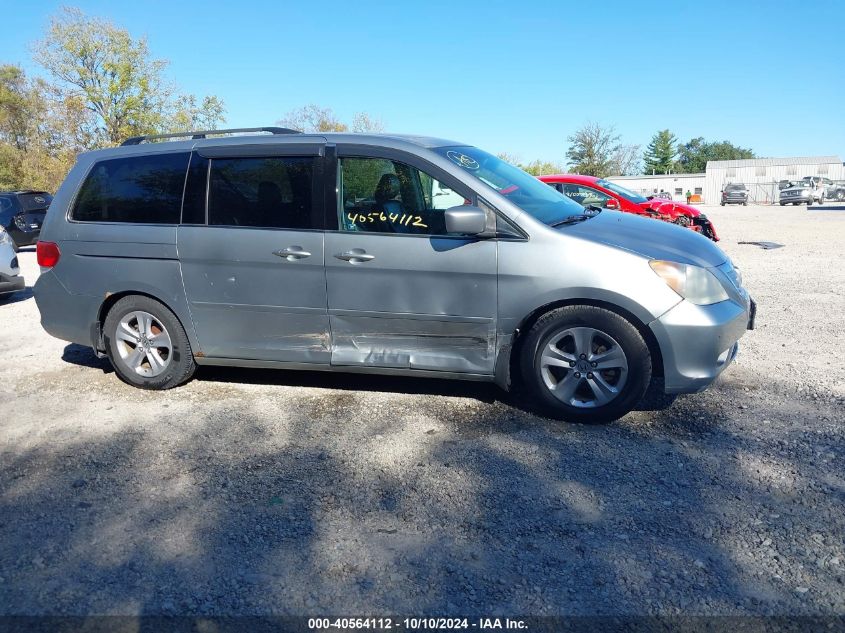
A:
{"x":612,"y":203}
{"x":465,"y":220}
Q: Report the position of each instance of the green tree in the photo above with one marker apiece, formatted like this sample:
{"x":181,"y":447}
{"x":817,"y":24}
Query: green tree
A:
{"x":542,"y":168}
{"x":591,"y":150}
{"x":123,"y":88}
{"x":659,"y":157}
{"x":694,"y":154}
{"x":535,"y":167}
{"x":39,"y":132}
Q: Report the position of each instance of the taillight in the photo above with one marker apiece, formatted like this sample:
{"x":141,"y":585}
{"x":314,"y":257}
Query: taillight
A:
{"x":47,"y":253}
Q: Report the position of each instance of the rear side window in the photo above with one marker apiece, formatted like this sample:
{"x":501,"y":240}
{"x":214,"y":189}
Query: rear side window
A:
{"x":139,"y":189}
{"x":272,"y":192}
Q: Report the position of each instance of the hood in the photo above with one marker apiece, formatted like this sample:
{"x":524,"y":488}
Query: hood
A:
{"x":796,"y":188}
{"x":673,"y":209}
{"x":649,"y":238}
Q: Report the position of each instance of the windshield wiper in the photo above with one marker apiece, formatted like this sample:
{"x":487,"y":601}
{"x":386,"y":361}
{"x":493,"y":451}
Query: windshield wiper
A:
{"x":573,"y":219}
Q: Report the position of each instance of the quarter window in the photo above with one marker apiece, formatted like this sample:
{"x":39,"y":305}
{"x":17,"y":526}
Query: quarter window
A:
{"x":378,"y":195}
{"x":272,"y":192}
{"x":139,"y":189}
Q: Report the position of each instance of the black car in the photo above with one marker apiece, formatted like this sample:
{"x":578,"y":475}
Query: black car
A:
{"x":734,"y":193}
{"x":22,"y":213}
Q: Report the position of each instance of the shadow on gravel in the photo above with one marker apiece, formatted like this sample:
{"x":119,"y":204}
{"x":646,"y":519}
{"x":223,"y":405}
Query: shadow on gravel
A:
{"x":443,"y":510}
{"x":485,"y":392}
{"x":85,"y":357}
{"x":654,"y":400}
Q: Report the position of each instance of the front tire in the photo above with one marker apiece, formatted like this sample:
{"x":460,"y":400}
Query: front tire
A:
{"x":585,"y":364}
{"x":147,"y":345}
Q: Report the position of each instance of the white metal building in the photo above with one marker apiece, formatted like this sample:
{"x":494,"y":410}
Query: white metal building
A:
{"x":760,"y":175}
{"x":676,"y":184}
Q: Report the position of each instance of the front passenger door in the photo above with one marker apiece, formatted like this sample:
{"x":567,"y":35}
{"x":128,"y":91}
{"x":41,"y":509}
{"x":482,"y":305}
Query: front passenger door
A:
{"x":402,"y":292}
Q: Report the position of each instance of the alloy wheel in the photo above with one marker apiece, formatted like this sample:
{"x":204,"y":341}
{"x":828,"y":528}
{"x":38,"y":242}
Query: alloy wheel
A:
{"x":143,"y":344}
{"x":583,"y":367}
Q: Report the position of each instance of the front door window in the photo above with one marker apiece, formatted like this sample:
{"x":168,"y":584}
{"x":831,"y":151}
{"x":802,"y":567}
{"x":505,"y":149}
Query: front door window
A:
{"x":378,"y":195}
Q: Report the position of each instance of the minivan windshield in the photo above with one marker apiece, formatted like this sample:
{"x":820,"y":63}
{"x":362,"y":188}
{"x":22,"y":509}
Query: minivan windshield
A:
{"x":531,"y":195}
{"x":629,"y":195}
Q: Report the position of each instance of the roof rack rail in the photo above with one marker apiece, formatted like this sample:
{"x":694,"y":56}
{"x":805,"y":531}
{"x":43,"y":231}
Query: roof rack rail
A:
{"x":137,"y":140}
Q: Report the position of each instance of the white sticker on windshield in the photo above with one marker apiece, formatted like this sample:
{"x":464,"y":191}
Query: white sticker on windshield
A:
{"x":467,"y":162}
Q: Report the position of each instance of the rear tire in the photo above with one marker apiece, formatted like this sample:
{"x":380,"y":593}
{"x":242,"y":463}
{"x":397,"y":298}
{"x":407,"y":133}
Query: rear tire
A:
{"x":584,"y":364}
{"x":147,"y":345}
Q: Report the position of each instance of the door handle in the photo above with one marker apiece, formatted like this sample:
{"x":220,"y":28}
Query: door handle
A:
{"x":355,"y":256}
{"x":292,"y":253}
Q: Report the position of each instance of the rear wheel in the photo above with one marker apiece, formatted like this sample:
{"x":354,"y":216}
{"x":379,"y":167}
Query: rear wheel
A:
{"x":840,"y":195}
{"x":147,"y":344}
{"x":585,"y":364}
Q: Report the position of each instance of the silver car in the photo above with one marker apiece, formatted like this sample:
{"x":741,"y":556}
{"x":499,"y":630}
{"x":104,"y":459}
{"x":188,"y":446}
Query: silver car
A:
{"x":10,"y":279}
{"x":806,"y":191}
{"x":379,"y":254}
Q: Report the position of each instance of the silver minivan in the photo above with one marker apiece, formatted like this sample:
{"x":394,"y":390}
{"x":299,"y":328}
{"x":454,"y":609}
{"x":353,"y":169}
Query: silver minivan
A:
{"x":382,"y":254}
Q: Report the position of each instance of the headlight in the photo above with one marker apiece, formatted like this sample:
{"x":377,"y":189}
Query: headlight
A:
{"x":694,"y":283}
{"x":4,"y":237}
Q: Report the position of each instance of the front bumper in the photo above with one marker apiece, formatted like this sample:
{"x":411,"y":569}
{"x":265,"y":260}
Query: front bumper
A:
{"x":797,"y":199}
{"x":699,"y":342}
{"x":9,"y":283}
{"x":706,"y":227}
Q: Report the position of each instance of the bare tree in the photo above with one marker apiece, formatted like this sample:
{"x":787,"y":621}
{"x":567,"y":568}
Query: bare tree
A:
{"x":626,"y":161}
{"x":592,"y":148}
{"x":313,"y":118}
{"x":363,"y":122}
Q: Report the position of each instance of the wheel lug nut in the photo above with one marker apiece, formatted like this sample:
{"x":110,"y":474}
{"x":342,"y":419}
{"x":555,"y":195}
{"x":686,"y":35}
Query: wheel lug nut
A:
{"x":583,"y":356}
{"x":572,"y":363}
{"x":590,"y":375}
{"x":577,"y":374}
{"x":594,"y":364}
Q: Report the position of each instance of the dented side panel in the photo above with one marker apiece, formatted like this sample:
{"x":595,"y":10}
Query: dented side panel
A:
{"x":420,"y":303}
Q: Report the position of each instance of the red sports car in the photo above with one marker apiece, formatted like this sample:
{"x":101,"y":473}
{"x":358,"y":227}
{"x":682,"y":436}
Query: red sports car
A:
{"x":591,"y":191}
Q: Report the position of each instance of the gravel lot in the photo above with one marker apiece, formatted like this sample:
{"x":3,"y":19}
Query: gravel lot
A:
{"x":259,"y":492}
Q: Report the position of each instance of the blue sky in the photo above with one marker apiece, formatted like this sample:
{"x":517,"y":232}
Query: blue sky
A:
{"x":506,"y":76}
